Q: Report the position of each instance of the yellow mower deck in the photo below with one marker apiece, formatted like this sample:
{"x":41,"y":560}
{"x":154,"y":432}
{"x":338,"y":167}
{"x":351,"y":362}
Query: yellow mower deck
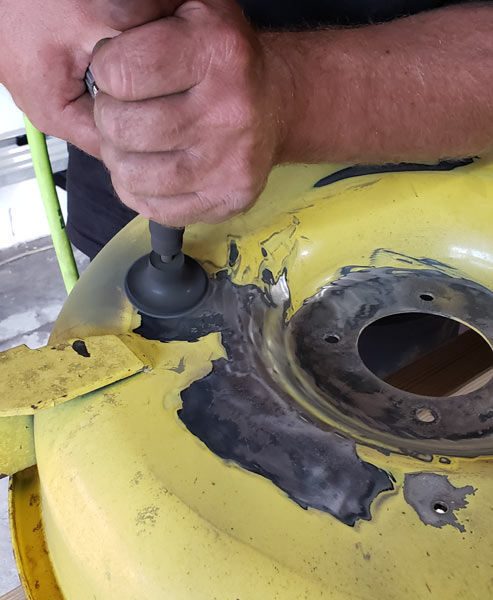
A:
{"x":126,"y":502}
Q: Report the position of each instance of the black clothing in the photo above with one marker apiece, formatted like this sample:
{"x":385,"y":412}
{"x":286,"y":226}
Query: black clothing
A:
{"x":309,"y":14}
{"x":95,"y":214}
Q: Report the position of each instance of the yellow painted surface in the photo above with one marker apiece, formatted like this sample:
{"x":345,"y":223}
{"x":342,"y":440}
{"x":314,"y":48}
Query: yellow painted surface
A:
{"x":134,"y":506}
{"x":16,"y":444}
{"x":33,"y":380}
{"x":30,"y":549}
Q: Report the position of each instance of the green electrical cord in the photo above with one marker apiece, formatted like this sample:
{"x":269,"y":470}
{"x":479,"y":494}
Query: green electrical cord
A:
{"x":47,"y":188}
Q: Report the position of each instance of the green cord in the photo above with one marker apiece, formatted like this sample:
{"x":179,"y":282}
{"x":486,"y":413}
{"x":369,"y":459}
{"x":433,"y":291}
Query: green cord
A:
{"x":44,"y":176}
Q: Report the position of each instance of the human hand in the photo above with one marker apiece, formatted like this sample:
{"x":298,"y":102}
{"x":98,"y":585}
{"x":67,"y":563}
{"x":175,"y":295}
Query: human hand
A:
{"x":189,"y":113}
{"x":45,"y":50}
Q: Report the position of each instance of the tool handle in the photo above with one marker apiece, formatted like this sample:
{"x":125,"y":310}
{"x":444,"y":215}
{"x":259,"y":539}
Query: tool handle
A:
{"x":166,"y":241}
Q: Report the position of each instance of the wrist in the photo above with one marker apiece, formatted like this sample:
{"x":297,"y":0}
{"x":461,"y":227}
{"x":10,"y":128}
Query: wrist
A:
{"x":280,"y":89}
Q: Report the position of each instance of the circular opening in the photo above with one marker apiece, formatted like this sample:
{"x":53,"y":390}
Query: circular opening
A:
{"x":426,"y":415}
{"x":426,"y":354}
{"x":332,"y":339}
{"x":440,"y":507}
{"x":427,"y":297}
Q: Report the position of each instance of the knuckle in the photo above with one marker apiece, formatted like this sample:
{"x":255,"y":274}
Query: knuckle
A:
{"x":175,"y":176}
{"x":237,"y":49}
{"x":236,"y":110}
{"x":181,"y":167}
{"x":231,"y":40}
{"x":112,"y":125}
{"x":124,"y":176}
{"x":172,"y":133}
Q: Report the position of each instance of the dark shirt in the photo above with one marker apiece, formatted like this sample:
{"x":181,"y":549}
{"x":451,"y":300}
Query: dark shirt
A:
{"x":309,"y":14}
{"x":95,"y":214}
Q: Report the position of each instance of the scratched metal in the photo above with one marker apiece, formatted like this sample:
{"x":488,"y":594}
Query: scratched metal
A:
{"x":273,"y":405}
{"x":243,"y":414}
{"x":435,"y":499}
{"x":334,"y":376}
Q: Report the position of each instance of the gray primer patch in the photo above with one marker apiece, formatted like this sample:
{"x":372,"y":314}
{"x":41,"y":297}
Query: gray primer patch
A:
{"x":435,"y":499}
{"x":244,"y":414}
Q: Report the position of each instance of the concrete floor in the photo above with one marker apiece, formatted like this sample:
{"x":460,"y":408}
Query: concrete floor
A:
{"x":31,"y":296}
{"x":31,"y":293}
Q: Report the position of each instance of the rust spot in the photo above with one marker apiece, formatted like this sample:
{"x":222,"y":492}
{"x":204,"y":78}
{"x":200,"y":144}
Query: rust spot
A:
{"x":34,"y":500}
{"x":38,"y":527}
{"x":60,"y":347}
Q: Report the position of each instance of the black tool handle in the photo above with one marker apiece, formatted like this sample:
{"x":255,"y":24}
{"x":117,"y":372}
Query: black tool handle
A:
{"x":166,"y":241}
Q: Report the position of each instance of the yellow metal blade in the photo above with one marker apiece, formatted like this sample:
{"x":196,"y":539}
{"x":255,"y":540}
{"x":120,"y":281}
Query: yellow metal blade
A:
{"x":33,"y":380}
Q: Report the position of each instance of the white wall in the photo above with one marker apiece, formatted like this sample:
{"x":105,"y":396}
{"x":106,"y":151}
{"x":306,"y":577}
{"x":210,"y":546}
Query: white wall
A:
{"x":10,"y":116}
{"x":22,"y":217}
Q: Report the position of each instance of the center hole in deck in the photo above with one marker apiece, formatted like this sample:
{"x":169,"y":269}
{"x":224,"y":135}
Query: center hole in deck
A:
{"x":426,"y":354}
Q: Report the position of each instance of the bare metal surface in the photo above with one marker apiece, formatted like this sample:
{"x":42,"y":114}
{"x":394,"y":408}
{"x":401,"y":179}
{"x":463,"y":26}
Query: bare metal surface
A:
{"x":435,"y":499}
{"x":336,"y":379}
{"x":244,"y":414}
{"x":246,"y":410}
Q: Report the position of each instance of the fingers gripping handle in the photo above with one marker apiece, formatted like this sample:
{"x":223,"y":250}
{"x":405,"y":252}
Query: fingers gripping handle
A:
{"x":165,"y":283}
{"x":126,"y":14}
{"x":167,"y":242}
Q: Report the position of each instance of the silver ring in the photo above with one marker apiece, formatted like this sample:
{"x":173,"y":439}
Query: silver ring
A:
{"x":92,"y":86}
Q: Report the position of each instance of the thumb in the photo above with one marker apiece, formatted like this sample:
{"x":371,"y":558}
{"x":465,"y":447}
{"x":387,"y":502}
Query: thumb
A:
{"x":125,"y":14}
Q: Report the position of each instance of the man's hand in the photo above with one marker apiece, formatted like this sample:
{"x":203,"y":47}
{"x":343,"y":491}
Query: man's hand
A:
{"x":196,"y":108}
{"x":45,"y":50}
{"x":189,"y":114}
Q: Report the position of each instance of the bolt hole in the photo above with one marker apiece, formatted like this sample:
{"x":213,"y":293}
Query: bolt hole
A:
{"x":427,"y":297}
{"x":425,"y":415}
{"x":332,"y":339}
{"x":440,"y":508}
